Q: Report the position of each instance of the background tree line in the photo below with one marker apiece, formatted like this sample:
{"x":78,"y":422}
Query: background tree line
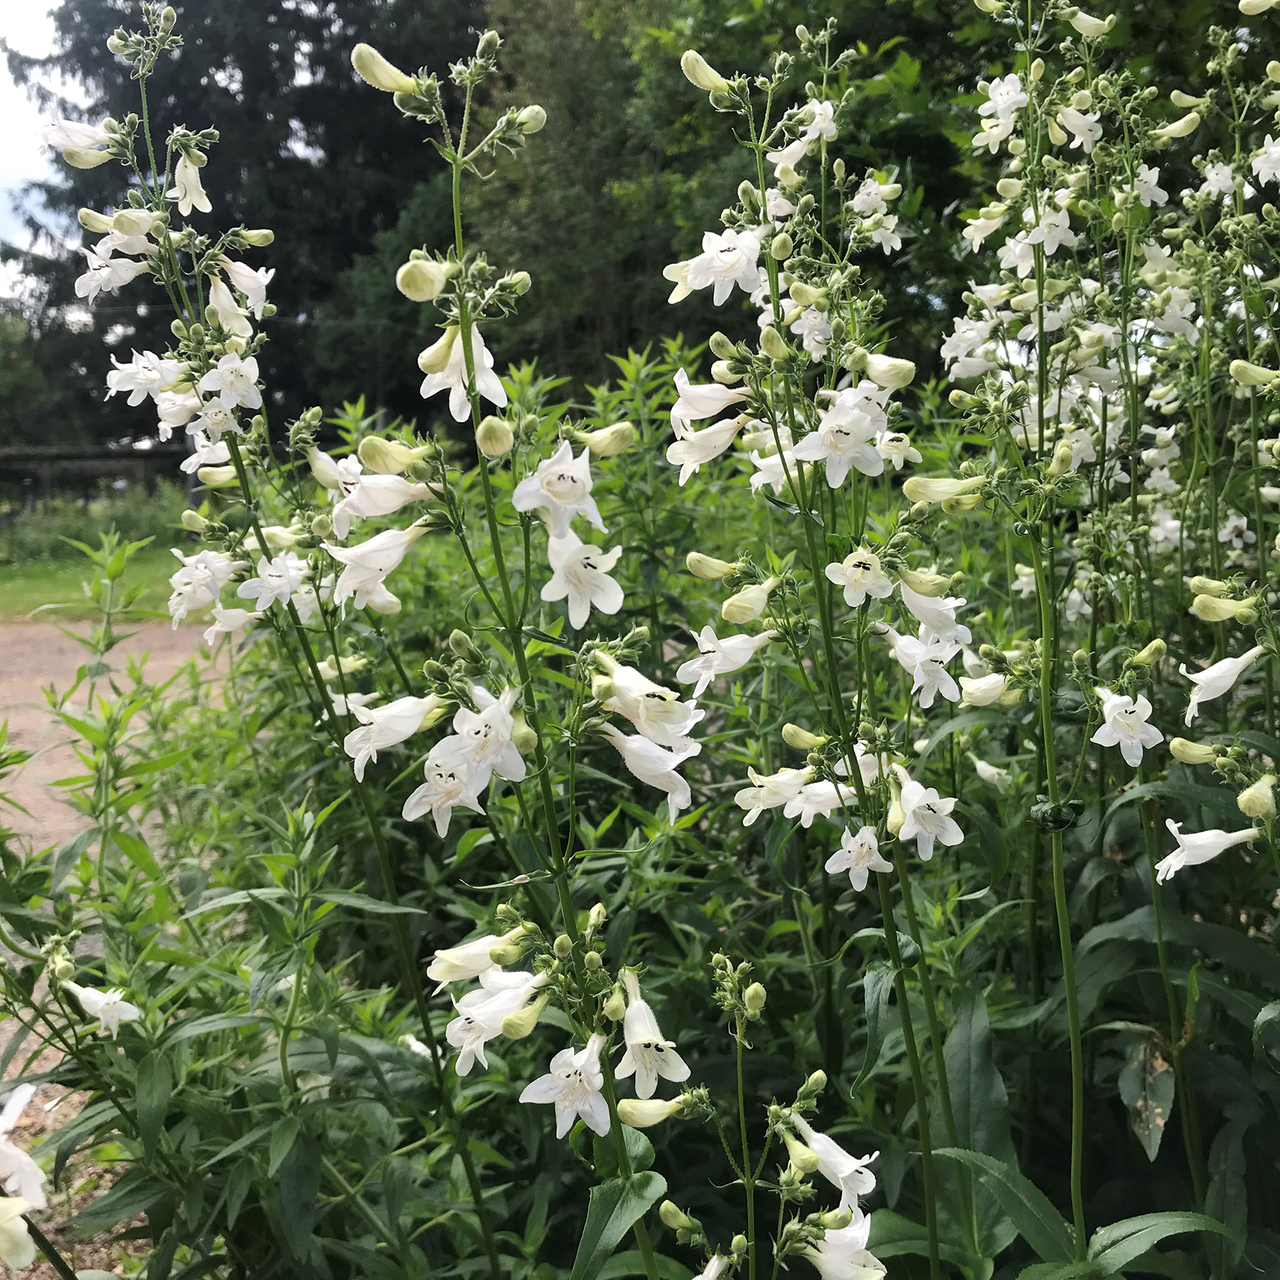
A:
{"x":623,"y":180}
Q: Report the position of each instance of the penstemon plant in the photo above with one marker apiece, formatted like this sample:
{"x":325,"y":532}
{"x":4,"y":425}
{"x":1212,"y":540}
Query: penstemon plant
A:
{"x":1096,"y":485}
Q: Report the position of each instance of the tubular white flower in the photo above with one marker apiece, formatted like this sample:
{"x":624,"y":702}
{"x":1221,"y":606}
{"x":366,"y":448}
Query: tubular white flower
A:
{"x":859,"y":855}
{"x":446,"y":369}
{"x":580,"y":574}
{"x":250,"y":281}
{"x":1195,"y":848}
{"x":234,"y":381}
{"x":574,"y":1086}
{"x":648,"y":1055}
{"x":278,"y":578}
{"x":927,"y":819}
{"x":16,"y":1246}
{"x":926,"y":657}
{"x":109,"y":1007}
{"x":1218,"y":679}
{"x":559,"y":490}
{"x":187,"y":189}
{"x":655,"y":765}
{"x":657,"y":712}
{"x":848,"y":1174}
{"x":452,"y":781}
{"x":719,"y":657}
{"x":231,"y":316}
{"x":770,"y":791}
{"x":469,"y":960}
{"x":227,"y":622}
{"x":367,"y":564}
{"x":936,"y":616}
{"x":842,"y":1254}
{"x":200,"y":580}
{"x":691,"y":450}
{"x":481,"y":1013}
{"x":388,"y":726}
{"x":19,"y":1174}
{"x":1125,"y":726}
{"x":695,"y":402}
{"x":982,"y":691}
{"x":358,"y":494}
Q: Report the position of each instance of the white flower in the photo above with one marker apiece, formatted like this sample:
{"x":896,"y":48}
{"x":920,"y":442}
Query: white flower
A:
{"x":714,"y":1270}
{"x":109,"y":1007}
{"x":694,"y":448}
{"x":226,"y":622}
{"x":470,"y":960}
{"x":846,"y":430}
{"x":75,"y":133}
{"x":361,"y":494}
{"x":896,"y":447}
{"x":367,"y":564}
{"x":848,"y":1174}
{"x":695,"y":402}
{"x":991,"y":774}
{"x":1053,"y":231}
{"x":215,"y":418}
{"x":1125,"y":726}
{"x":927,"y":818}
{"x":936,"y":615}
{"x":886,"y":234}
{"x":982,"y":691}
{"x":790,"y":155}
{"x":657,"y":712}
{"x":859,"y":855}
{"x":484,"y":736}
{"x":1266,"y":164}
{"x":770,"y":791}
{"x":383,"y":727}
{"x":817,"y":798}
{"x":145,"y":375}
{"x":1005,"y":96}
{"x":1016,"y":254}
{"x":1166,"y":529}
{"x":580,"y":573}
{"x":234,"y":381}
{"x":231,"y":315}
{"x":655,"y":765}
{"x":648,"y":1055}
{"x":823,"y":124}
{"x":717,"y":657}
{"x":976,"y":230}
{"x":1146,"y":185}
{"x":860,"y":574}
{"x":16,"y":1247}
{"x":1218,"y":679}
{"x":842,"y":1254}
{"x":19,"y":1173}
{"x":252,"y":283}
{"x":106,"y":274}
{"x":926,"y":658}
{"x":574,"y":1085}
{"x":1236,"y":531}
{"x":726,"y":259}
{"x":187,"y":189}
{"x":1201,"y":846}
{"x":481,"y":1013}
{"x":776,"y":205}
{"x":1085,"y":129}
{"x":205,"y":453}
{"x":452,"y":781}
{"x":445,"y":365}
{"x":559,"y":490}
{"x":1219,"y":180}
{"x":200,"y":581}
{"x":278,"y":578}
{"x":813,"y":328}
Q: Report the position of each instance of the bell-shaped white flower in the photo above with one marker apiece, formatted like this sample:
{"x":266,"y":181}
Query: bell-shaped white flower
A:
{"x":693,"y":448}
{"x":848,"y":1174}
{"x":388,"y":726}
{"x":452,"y":781}
{"x":227,"y":622}
{"x":109,"y":1007}
{"x":580,"y":574}
{"x":1197,"y":847}
{"x":843,"y":1255}
{"x":469,"y":960}
{"x":927,"y":819}
{"x":187,"y":189}
{"x":860,"y":574}
{"x":559,"y":490}
{"x":821,"y":798}
{"x":358,"y":493}
{"x":656,"y":711}
{"x":106,"y":274}
{"x":231,"y":315}
{"x":695,"y":402}
{"x":859,"y":855}
{"x":1124,"y":725}
{"x":16,"y":1245}
{"x":278,"y":578}
{"x":250,"y":282}
{"x":719,"y":657}
{"x":481,"y":1013}
{"x":574,"y":1086}
{"x":234,"y":380}
{"x":936,"y":615}
{"x":445,"y":365}
{"x":926,"y":658}
{"x":982,"y":691}
{"x":367,"y":564}
{"x":145,"y":375}
{"x":770,"y":791}
{"x":19,"y":1173}
{"x":199,"y":581}
{"x":648,"y":1054}
{"x":655,"y":765}
{"x":1218,"y":679}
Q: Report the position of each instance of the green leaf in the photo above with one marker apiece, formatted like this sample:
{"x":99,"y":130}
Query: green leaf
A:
{"x":1147,"y":1089}
{"x":1227,"y":1199}
{"x":1058,"y":1271}
{"x":877,"y":986}
{"x":155,"y":1087}
{"x":614,"y":1206}
{"x":631,"y":1263}
{"x":361,"y":902}
{"x":1266,"y":1016}
{"x":893,"y":1235}
{"x":284,"y":1133}
{"x":1114,"y":1247}
{"x":1030,"y":1210}
{"x":68,"y":855}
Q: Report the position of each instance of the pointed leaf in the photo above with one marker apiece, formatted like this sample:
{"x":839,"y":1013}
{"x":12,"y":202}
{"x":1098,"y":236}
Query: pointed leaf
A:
{"x":1114,"y":1247}
{"x":613,"y":1207}
{"x":877,"y":986}
{"x":1147,"y":1089}
{"x":155,"y":1086}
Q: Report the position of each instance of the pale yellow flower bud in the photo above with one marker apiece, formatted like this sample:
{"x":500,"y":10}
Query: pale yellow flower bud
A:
{"x":1060,"y":463}
{"x":989,"y":6}
{"x":330,"y":669}
{"x":1208,"y":586}
{"x":422,"y":279}
{"x":1259,"y":801}
{"x":218,"y":477}
{"x":674,"y":1218}
{"x":703,"y":566}
{"x":642,"y":1113}
{"x":1057,"y":134}
{"x":698,"y":72}
{"x":780,"y":247}
{"x":615,"y":1007}
{"x":1093,"y":28}
{"x":771,"y":343}
{"x":925,"y":584}
{"x":374,"y":69}
{"x":85,"y":157}
{"x":132,"y":222}
{"x":748,"y":604}
{"x":1217,"y":609}
{"x":515,"y":1026}
{"x":802,"y":1157}
{"x":194,"y":521}
{"x":1192,"y":752}
{"x":754,"y":998}
{"x":531,"y":119}
{"x":794,"y":736}
{"x":1181,"y":128}
{"x":941,"y":489}
{"x":1252,"y":375}
{"x":1150,"y":654}
{"x":92,"y":220}
{"x":608,"y":442}
{"x":494,"y":437}
{"x":522,"y":735}
{"x":259,"y":238}
{"x":388,"y":457}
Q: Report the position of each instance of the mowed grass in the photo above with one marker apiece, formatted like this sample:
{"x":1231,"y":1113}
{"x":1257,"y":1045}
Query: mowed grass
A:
{"x":25,"y":588}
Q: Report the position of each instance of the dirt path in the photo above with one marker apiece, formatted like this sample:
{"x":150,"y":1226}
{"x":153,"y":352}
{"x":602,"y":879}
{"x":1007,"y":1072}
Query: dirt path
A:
{"x":33,"y":656}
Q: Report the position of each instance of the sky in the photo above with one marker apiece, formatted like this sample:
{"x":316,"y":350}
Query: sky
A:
{"x":27,"y":28}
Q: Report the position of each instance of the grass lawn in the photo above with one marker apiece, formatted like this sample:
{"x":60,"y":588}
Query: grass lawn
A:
{"x":25,"y":587}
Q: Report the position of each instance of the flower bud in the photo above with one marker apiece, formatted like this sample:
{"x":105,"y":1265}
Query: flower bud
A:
{"x":615,"y":1007}
{"x":961,"y":399}
{"x":1208,"y":586}
{"x":494,"y":437}
{"x":702,"y":566}
{"x":780,"y":247}
{"x":943,"y":489}
{"x":389,"y":457}
{"x":641,"y":1113}
{"x":63,"y":967}
{"x":835,"y":1219}
{"x":674,"y":1218}
{"x":1036,"y":72}
{"x":1009,"y":188}
{"x":1150,"y":654}
{"x":1180,"y":128}
{"x":460,"y":643}
{"x":488,"y":44}
{"x":531,"y":119}
{"x":802,"y":1157}
{"x":806,"y":294}
{"x":1258,"y":801}
{"x":422,"y":279}
{"x":1252,"y":375}
{"x":563,"y":947}
{"x":1192,"y":752}
{"x":259,"y":238}
{"x":515,"y":1026}
{"x":889,"y":372}
{"x":608,"y":442}
{"x":771,"y":343}
{"x":723,"y":372}
{"x":85,"y":157}
{"x":1060,"y":463}
{"x":739,"y":1245}
{"x":218,"y":477}
{"x":699,"y":73}
{"x":374,"y":69}
{"x":523,"y":737}
{"x":322,"y":526}
{"x":92,"y":220}
{"x":1273,"y":71}
{"x":434,"y":358}
{"x":753,"y":998}
{"x":1093,"y":28}
{"x":794,"y":736}
{"x":194,"y":522}
{"x":323,"y":468}
{"x":132,"y":222}
{"x":721,"y":346}
{"x":1218,"y":609}
{"x":896,"y":815}
{"x":925,"y":584}
{"x":520,"y":282}
{"x":748,"y":604}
